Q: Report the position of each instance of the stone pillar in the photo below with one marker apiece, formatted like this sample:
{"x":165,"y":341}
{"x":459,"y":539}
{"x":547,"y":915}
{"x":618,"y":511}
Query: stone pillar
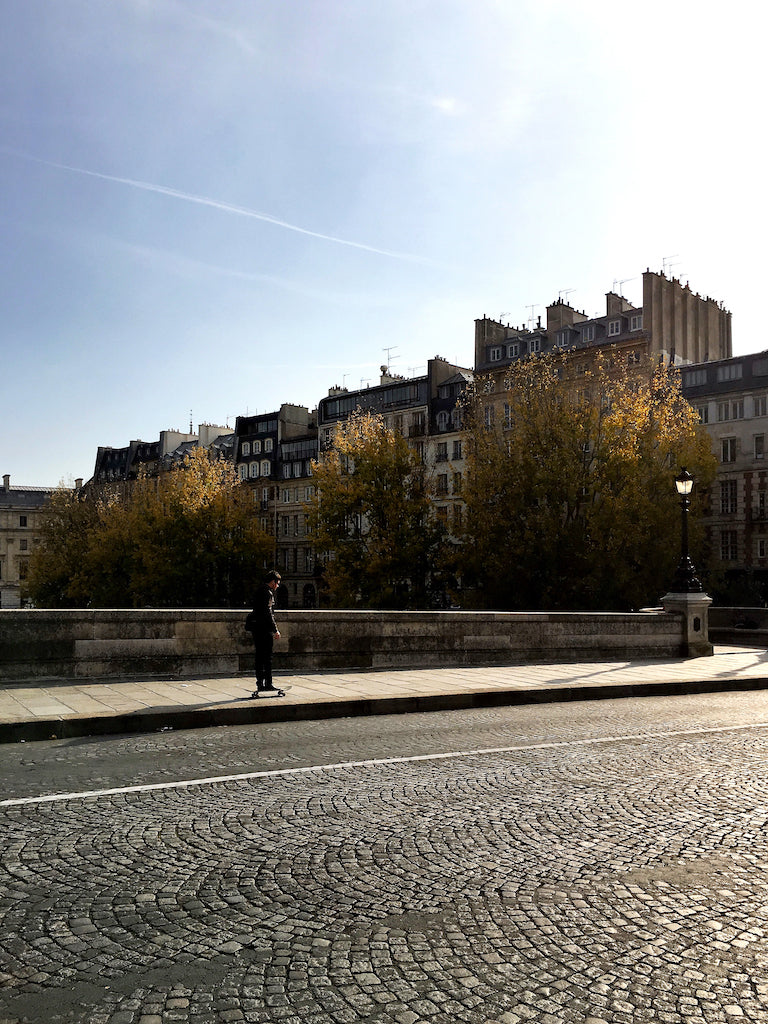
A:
{"x":694,"y":609}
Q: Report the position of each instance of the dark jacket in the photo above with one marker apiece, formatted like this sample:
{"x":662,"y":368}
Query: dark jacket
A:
{"x":262,"y":618}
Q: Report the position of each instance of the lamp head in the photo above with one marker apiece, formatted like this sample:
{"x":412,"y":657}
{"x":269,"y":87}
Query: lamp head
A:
{"x":684,"y":483}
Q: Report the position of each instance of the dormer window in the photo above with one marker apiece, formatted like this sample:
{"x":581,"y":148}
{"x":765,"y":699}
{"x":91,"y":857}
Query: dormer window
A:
{"x":245,"y":448}
{"x":588,"y":333}
{"x":636,"y":322}
{"x":614,"y":328}
{"x":534,"y":345}
{"x":496,"y":353}
{"x":513,"y":350}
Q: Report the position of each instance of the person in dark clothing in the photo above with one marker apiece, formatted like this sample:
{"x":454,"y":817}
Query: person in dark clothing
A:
{"x":265,"y":631}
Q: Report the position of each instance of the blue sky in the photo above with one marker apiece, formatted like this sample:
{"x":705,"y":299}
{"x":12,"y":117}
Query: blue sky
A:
{"x":222,"y":205}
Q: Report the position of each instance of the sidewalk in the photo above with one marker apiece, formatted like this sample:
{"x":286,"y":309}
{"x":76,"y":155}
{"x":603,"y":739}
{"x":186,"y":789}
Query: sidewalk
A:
{"x":58,"y":708}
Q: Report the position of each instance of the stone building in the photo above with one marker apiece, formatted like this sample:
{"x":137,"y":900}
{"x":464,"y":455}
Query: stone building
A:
{"x":425,"y":410}
{"x":731,"y":397}
{"x":273,"y":455}
{"x":21,"y":511}
{"x":673,"y":324}
{"x":123,"y":465}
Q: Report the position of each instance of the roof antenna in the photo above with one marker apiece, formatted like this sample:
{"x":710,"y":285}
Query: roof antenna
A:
{"x":190,"y":421}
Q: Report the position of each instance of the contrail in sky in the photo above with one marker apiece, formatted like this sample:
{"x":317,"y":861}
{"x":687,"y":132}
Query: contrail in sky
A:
{"x":242,"y":211}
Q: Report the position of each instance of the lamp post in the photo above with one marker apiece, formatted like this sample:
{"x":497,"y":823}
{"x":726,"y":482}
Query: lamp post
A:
{"x":686,"y":581}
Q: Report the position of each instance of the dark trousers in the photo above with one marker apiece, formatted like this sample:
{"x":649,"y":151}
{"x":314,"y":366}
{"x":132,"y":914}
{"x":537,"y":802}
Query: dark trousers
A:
{"x":263,"y":644}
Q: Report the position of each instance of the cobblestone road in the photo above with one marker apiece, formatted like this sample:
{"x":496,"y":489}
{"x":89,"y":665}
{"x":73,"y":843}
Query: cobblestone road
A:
{"x":593,"y":878}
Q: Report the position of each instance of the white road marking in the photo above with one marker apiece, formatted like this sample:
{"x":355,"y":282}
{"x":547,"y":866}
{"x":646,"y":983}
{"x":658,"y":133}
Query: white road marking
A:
{"x":275,"y":772}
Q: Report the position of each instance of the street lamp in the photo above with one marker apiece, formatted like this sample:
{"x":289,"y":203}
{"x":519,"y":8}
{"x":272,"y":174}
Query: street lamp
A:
{"x":686,"y":581}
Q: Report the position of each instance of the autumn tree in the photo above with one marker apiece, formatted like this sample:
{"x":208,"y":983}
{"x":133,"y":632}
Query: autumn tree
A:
{"x":570,"y":495}
{"x":187,"y":538}
{"x":371,"y":518}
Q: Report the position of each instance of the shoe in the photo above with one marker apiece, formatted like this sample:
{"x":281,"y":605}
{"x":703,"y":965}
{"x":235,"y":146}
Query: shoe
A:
{"x":269,"y":687}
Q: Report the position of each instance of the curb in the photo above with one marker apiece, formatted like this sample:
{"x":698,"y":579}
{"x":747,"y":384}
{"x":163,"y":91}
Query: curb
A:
{"x":159,"y":720}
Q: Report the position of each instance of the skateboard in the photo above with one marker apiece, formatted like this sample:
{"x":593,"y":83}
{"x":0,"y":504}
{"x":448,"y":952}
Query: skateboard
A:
{"x":279,"y":691}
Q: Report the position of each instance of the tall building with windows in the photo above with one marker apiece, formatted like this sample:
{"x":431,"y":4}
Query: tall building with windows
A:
{"x":673,"y":324}
{"x":21,"y":512}
{"x":273,"y":455}
{"x":731,"y":398}
{"x":425,"y":410}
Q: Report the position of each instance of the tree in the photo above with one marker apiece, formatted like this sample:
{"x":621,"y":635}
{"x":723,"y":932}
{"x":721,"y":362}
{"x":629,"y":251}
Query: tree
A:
{"x":570,"y":495}
{"x":188,"y":538}
{"x":370,"y":515}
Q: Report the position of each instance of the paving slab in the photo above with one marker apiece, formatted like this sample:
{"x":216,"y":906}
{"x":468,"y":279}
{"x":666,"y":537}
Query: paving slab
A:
{"x":62,"y":708}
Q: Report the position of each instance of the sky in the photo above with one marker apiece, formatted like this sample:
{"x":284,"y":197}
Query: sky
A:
{"x":212,"y":207}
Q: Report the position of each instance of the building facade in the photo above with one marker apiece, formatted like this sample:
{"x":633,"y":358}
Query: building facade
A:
{"x":21,"y":513}
{"x":731,"y":398}
{"x":673,"y":324}
{"x":426,"y":410}
{"x":273,"y":455}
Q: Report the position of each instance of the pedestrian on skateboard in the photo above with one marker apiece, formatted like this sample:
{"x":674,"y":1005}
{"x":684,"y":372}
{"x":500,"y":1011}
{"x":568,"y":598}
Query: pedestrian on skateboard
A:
{"x":263,"y":627}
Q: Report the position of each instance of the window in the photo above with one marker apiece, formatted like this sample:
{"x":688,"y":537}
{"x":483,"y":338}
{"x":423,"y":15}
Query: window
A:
{"x":563,"y":337}
{"x":636,"y":322}
{"x":457,"y":451}
{"x":762,"y":547}
{"x":507,"y":416}
{"x":488,"y":413}
{"x":496,"y":353}
{"x":243,"y":472}
{"x":728,"y":497}
{"x":257,"y":447}
{"x":534,"y":345}
{"x":731,"y":371}
{"x":418,"y":448}
{"x":733,"y":410}
{"x":254,"y":469}
{"x":614,"y":328}
{"x":442,"y":483}
{"x":268,"y":444}
{"x":245,"y":448}
{"x":588,"y":333}
{"x":457,"y":482}
{"x":695,"y":377}
{"x":456,"y":419}
{"x":728,"y":449}
{"x":760,"y":368}
{"x":23,"y":544}
{"x":703,"y":411}
{"x":759,"y":446}
{"x":266,"y":467}
{"x":728,"y":546}
{"x":761,"y":405}
{"x":513,"y":350}
{"x":443,"y":420}
{"x":458,"y":517}
{"x":22,"y":520}
{"x":441,"y":451}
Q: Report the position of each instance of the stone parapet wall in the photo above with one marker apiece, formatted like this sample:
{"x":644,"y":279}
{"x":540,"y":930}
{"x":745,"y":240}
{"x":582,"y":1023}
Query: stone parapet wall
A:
{"x":740,"y":626}
{"x":77,"y":644}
